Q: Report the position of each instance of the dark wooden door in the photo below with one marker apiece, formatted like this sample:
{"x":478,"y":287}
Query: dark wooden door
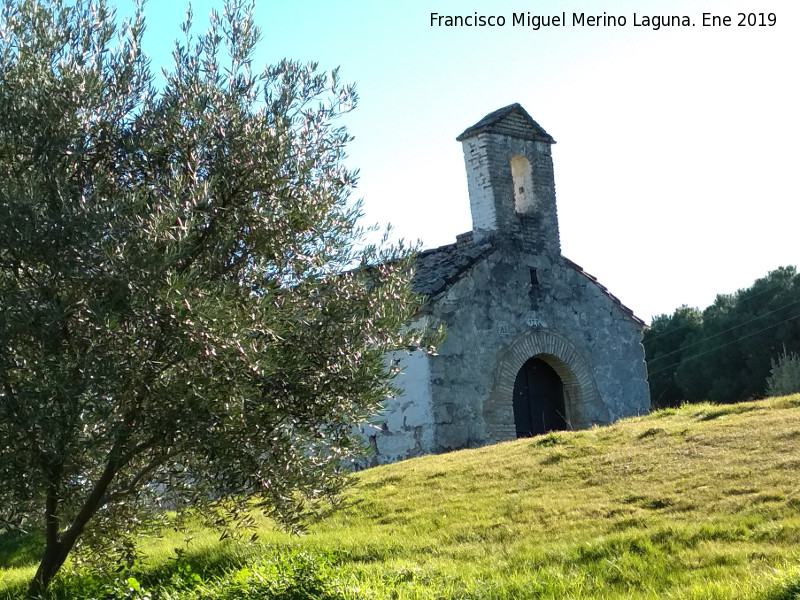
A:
{"x":538,"y":399}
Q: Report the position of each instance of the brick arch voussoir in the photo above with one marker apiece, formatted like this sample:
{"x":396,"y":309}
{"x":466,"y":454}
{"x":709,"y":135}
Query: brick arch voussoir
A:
{"x":582,"y":399}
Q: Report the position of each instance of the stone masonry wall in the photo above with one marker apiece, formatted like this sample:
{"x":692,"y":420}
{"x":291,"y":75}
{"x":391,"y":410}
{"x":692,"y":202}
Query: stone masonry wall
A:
{"x":495,"y":305}
{"x":405,"y":427}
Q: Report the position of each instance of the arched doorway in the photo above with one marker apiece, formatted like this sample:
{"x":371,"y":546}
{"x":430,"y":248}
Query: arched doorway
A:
{"x":583,"y":405}
{"x":538,"y":399}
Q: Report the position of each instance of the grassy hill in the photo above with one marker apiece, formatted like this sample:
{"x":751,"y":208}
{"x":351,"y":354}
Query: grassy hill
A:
{"x":698,"y":502}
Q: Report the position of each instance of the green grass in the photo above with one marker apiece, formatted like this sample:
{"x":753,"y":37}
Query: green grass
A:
{"x":697,"y":502}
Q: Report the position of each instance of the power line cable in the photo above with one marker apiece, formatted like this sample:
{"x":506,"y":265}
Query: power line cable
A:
{"x":711,"y":337}
{"x":769,"y":289}
{"x":744,"y":337}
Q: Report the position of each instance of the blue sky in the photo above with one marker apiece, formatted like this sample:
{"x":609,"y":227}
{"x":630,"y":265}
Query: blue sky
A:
{"x":678,"y":149}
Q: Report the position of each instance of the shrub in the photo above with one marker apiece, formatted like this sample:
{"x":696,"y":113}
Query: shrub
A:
{"x":785,"y":375}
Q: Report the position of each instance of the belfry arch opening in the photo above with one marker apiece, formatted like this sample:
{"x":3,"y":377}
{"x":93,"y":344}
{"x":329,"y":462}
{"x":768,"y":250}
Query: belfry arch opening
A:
{"x":539,"y":399}
{"x":523,"y":184}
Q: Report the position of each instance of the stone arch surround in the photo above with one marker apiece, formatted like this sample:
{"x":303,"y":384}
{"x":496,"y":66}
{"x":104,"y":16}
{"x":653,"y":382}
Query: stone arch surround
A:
{"x":582,"y":402}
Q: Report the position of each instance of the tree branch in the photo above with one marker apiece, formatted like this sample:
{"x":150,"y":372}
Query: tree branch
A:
{"x":51,"y":507}
{"x":137,"y":479}
{"x":94,"y":500}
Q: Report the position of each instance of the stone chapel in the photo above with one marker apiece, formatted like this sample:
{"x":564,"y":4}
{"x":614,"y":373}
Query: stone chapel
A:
{"x":534,"y":343}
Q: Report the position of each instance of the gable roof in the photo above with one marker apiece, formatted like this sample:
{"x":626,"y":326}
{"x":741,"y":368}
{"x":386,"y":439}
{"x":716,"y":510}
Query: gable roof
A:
{"x":512,"y":121}
{"x":437,"y":269}
{"x":605,"y":292}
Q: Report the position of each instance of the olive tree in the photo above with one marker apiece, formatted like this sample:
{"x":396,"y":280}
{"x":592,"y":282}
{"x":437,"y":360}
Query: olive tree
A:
{"x":784,"y":378}
{"x":188,"y":313}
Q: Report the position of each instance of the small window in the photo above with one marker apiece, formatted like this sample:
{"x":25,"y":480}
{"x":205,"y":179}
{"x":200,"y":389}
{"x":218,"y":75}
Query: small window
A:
{"x":534,"y":277}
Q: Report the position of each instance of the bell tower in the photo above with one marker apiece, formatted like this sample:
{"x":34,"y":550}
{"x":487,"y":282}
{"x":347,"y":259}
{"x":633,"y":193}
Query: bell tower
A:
{"x":512,"y":191}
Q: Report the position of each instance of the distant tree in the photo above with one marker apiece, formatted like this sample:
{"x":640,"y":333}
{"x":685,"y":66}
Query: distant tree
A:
{"x":181,"y":319}
{"x":709,"y":354}
{"x":723,"y":354}
{"x":664,"y":341}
